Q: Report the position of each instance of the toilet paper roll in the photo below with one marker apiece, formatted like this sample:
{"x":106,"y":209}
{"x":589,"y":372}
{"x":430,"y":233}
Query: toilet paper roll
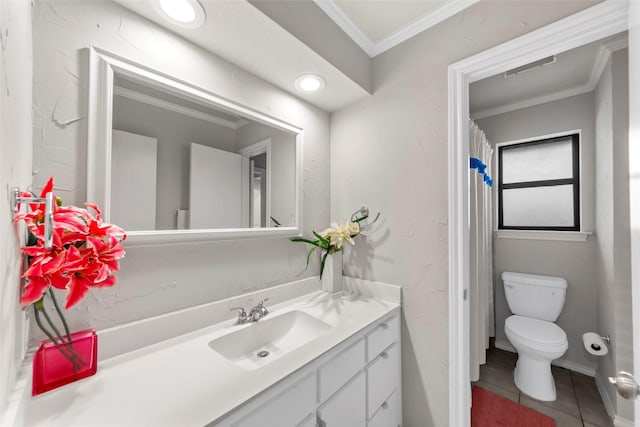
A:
{"x":594,"y":344}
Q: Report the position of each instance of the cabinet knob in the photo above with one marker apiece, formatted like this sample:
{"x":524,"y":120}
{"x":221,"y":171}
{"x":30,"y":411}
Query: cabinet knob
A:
{"x":385,"y":326}
{"x":385,"y":406}
{"x":384,"y":355}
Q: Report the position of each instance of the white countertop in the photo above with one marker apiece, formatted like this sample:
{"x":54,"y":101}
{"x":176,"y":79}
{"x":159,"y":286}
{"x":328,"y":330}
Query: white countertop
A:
{"x":183,"y":382}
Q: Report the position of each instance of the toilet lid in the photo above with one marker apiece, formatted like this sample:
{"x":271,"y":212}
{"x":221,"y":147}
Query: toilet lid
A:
{"x":538,"y":331}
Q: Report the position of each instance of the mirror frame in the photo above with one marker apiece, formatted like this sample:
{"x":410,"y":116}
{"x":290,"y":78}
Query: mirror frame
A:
{"x":103,"y":66}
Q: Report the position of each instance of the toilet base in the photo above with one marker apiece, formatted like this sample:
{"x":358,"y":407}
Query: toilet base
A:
{"x":534,"y":378}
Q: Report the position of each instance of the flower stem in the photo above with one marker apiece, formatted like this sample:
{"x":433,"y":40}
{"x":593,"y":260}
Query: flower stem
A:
{"x":66,"y":328}
{"x":64,"y":321}
{"x":52,"y":325}
{"x":38,"y":306}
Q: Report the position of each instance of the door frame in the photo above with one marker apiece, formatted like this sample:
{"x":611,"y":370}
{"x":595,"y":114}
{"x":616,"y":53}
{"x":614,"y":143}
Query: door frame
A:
{"x":602,"y":20}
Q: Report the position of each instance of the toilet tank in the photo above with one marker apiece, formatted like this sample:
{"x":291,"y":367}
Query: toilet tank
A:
{"x":530,"y":295}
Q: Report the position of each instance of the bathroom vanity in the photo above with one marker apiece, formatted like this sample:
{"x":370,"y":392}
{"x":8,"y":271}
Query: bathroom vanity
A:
{"x":334,"y":360}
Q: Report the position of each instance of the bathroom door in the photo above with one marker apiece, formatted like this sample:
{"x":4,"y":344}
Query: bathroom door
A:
{"x":215,"y":188}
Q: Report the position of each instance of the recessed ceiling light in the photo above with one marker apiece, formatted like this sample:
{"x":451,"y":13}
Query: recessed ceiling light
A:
{"x":310,"y":83}
{"x":185,"y":13}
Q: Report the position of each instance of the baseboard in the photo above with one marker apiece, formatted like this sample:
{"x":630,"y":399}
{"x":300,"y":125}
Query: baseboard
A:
{"x":566,"y":364}
{"x":575,"y":367}
{"x":622,"y":422}
{"x":608,"y":405}
{"x":505,"y":345}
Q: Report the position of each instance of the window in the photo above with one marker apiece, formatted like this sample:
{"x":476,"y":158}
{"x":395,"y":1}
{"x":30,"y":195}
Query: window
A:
{"x":539,"y":185}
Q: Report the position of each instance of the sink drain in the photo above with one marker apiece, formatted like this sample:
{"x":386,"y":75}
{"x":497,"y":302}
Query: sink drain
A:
{"x":263,"y":353}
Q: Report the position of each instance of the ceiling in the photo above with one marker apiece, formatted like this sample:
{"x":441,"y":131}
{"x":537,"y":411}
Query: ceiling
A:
{"x":238,"y":32}
{"x":379,"y":25}
{"x":575,"y":72}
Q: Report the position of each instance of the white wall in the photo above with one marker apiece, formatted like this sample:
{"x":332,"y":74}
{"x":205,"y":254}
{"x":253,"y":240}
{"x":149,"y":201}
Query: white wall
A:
{"x":612,"y":225}
{"x":15,"y":170}
{"x":155,"y":280}
{"x":390,"y":152}
{"x":574,"y":261}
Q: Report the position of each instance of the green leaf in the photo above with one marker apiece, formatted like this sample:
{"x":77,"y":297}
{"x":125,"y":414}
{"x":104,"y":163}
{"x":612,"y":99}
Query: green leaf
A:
{"x":309,"y":255}
{"x":361,"y":219}
{"x":322,"y":239}
{"x":324,"y":258}
{"x":311,"y":242}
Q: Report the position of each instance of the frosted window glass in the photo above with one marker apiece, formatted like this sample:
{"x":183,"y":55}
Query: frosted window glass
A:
{"x":538,"y":206}
{"x":538,"y":162}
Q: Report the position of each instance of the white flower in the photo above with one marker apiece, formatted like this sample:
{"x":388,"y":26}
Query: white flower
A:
{"x":338,"y":234}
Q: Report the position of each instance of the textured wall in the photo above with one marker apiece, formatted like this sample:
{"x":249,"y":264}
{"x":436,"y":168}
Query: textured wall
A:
{"x":390,"y":152}
{"x":15,"y":170}
{"x":612,"y":225}
{"x":155,"y":280}
{"x":575,"y":261}
{"x":604,"y":221}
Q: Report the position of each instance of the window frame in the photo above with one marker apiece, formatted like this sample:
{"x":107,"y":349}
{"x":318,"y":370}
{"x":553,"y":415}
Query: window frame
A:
{"x":574,"y":180}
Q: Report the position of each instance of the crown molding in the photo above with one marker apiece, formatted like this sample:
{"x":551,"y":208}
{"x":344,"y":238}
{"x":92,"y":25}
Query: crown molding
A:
{"x":602,"y":58}
{"x":346,"y":24}
{"x":421,"y":24}
{"x":180,"y":109}
{"x":417,"y":26}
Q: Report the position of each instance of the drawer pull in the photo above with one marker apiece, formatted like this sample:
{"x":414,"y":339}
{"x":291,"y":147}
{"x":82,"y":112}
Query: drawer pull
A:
{"x":385,"y":405}
{"x":384,"y":355}
{"x":385,"y":325}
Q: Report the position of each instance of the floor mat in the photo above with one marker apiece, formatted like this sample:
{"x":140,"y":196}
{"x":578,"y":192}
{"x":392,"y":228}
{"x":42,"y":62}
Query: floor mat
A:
{"x":491,"y":410}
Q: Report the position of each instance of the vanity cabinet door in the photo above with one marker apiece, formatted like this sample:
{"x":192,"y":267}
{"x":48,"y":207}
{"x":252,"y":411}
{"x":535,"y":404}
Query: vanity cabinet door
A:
{"x":347,"y":407}
{"x":290,"y":408}
{"x":336,"y":372}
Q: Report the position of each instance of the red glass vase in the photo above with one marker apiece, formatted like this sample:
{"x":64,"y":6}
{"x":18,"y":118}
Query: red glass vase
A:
{"x":55,"y":365}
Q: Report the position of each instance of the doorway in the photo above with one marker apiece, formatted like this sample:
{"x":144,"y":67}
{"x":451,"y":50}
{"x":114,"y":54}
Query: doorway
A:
{"x":560,"y":135}
{"x":597,"y":22}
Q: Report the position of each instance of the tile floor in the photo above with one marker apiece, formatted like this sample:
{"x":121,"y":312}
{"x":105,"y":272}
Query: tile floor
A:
{"x":578,"y":403}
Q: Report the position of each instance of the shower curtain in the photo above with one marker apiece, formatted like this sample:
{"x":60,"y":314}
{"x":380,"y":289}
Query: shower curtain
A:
{"x":481,"y":314}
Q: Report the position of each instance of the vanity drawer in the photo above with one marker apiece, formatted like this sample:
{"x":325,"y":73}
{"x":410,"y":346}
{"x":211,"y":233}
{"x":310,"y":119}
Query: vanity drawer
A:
{"x":387,"y":414}
{"x":289,"y":408}
{"x":382,"y":337}
{"x":383,"y":377}
{"x":347,"y":407}
{"x":337,"y":371}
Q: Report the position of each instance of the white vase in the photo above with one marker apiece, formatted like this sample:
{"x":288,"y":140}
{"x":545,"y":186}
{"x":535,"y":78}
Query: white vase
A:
{"x":332,"y":273}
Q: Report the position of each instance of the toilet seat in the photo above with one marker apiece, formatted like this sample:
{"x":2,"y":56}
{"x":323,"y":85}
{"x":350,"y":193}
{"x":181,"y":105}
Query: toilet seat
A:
{"x":537,"y":333}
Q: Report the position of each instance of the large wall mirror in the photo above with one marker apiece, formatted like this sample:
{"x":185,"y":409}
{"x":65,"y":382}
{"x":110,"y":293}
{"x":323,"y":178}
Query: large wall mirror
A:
{"x":170,"y":162}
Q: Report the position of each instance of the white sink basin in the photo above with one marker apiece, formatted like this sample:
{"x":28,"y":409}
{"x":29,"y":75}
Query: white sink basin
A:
{"x":262,"y":342}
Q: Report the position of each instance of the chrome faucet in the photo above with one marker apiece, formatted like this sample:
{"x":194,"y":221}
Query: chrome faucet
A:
{"x":255,"y":314}
{"x":242,"y":315}
{"x":258,"y":312}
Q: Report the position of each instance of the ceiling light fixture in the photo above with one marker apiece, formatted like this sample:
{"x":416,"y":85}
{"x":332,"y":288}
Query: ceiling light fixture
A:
{"x":184,"y":13}
{"x":310,"y":83}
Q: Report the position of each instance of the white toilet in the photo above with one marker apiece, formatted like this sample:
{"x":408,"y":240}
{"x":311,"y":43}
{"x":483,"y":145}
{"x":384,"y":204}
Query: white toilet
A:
{"x":536,"y":302}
